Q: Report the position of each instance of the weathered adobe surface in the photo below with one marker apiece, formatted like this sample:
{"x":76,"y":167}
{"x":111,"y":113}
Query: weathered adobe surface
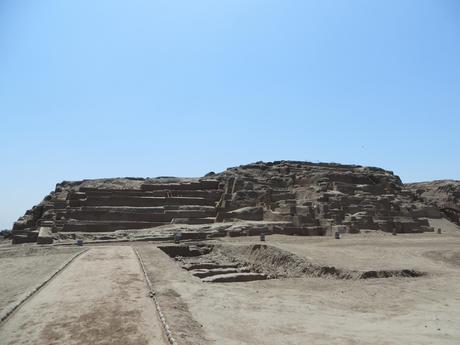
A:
{"x":233,"y":263}
{"x":288,"y":197}
{"x":442,"y":194}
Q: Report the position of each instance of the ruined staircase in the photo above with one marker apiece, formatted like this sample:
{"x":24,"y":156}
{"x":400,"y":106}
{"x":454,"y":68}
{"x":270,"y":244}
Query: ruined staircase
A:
{"x":212,"y":272}
{"x":201,"y":263}
{"x":151,"y":204}
{"x":100,"y":210}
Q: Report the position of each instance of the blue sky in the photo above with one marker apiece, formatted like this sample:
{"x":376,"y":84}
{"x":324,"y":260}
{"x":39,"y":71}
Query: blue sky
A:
{"x":145,"y":88}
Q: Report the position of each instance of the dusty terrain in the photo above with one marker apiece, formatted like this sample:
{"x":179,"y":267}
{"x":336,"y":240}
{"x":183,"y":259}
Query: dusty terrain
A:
{"x":422,"y":310}
{"x":24,"y":268}
{"x":101,"y":297}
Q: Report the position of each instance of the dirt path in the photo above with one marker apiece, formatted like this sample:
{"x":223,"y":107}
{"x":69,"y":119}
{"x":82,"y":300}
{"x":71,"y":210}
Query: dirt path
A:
{"x":164,"y":274}
{"x":101,"y":298}
{"x":24,"y":269}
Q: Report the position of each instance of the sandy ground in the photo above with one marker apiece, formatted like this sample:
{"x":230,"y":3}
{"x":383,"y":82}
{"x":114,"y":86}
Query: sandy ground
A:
{"x":25,"y":267}
{"x":445,"y":225}
{"x":423,"y":310}
{"x":100,"y":298}
{"x":370,"y":252}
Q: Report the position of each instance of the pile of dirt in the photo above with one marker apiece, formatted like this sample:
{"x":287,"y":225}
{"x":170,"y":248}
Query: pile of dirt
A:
{"x":269,"y":262}
{"x":279,"y":263}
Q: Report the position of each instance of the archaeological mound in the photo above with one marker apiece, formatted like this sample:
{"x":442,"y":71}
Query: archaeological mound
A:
{"x":282,"y":197}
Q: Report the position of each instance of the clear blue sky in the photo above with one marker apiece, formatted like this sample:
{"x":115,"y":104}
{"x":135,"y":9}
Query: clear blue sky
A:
{"x":145,"y":88}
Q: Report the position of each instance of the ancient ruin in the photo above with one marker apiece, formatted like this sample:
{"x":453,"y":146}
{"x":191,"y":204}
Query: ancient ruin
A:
{"x":281,"y":252}
{"x":284,"y":197}
{"x":443,"y":195}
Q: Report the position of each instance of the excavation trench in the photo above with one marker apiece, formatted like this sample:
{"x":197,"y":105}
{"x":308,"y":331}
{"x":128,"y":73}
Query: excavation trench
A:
{"x":236,"y":263}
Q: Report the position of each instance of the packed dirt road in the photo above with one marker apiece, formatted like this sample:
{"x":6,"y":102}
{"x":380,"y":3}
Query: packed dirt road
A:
{"x":100,"y":298}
